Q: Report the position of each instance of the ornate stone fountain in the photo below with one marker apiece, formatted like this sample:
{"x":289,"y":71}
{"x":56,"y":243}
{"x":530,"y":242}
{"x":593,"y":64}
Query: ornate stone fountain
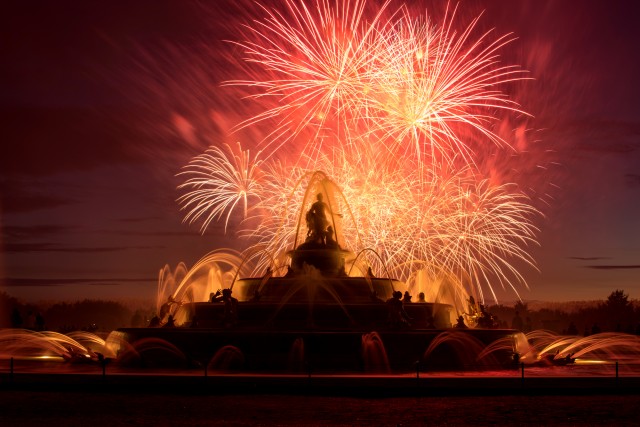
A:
{"x":316,"y":316}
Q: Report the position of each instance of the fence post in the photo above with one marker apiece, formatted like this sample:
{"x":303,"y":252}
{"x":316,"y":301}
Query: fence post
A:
{"x":103,"y":364}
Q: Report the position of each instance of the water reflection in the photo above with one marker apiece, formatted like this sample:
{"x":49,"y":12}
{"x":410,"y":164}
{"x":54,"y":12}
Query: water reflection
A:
{"x":543,"y":353}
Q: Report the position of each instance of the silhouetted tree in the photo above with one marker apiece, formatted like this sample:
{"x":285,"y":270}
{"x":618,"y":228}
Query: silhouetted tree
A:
{"x":141,"y":317}
{"x":87,"y":315}
{"x":618,"y":300}
{"x":16,"y":318}
{"x":618,"y":311}
{"x":521,"y":307}
{"x":8,"y":307}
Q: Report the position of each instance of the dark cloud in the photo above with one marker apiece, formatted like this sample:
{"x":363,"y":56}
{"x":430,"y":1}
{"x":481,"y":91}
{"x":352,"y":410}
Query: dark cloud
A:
{"x":612,"y":267}
{"x":22,"y":196}
{"x":19,"y":282}
{"x":216,"y":228}
{"x":595,"y":258}
{"x":604,"y":267}
{"x":156,"y":233}
{"x":35,"y":231}
{"x":607,"y":136}
{"x":103,"y":284}
{"x":51,"y":247}
{"x":140,"y":219}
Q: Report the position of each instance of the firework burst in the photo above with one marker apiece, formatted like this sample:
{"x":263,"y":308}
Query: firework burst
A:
{"x":436,"y":81}
{"x":395,"y":110}
{"x":409,"y":84}
{"x":217,"y":182}
{"x":317,"y":59}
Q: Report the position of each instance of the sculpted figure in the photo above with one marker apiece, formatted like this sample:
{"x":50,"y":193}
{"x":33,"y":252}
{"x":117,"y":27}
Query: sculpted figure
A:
{"x":317,"y":220}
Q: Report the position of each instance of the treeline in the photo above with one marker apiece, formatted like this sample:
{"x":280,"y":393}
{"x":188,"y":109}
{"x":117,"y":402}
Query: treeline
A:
{"x":615,"y":314}
{"x":87,"y":315}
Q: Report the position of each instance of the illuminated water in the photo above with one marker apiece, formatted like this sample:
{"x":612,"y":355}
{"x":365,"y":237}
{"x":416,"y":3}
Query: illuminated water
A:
{"x":605,"y":354}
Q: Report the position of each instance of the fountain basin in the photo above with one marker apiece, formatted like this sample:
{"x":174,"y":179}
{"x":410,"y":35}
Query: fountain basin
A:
{"x":326,"y":350}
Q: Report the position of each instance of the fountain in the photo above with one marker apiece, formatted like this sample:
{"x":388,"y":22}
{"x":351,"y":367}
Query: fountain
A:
{"x":316,"y":314}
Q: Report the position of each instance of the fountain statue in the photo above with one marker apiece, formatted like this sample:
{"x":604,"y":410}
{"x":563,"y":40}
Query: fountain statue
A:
{"x":319,"y":308}
{"x":316,"y":313}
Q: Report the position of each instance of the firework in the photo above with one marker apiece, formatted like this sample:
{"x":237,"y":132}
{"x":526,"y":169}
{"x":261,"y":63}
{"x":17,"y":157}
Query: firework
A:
{"x":436,"y":82}
{"x":217,"y":182}
{"x":396,"y":111}
{"x":318,"y":57}
{"x":409,"y":84}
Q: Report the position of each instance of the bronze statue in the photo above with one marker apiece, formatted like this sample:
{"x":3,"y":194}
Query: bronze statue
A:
{"x":317,"y":220}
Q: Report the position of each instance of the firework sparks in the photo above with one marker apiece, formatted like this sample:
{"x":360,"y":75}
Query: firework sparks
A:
{"x":406,"y":105}
{"x":408,"y":83}
{"x":316,"y":57}
{"x":217,"y":182}
{"x":434,"y":81}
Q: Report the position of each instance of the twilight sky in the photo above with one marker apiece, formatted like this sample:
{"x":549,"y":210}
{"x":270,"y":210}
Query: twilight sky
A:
{"x":103,"y":102}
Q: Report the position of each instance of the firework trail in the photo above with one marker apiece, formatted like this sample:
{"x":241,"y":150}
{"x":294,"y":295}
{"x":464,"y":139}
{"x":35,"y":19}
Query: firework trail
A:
{"x":435,"y":82}
{"x":217,"y":182}
{"x":396,"y":111}
{"x":409,"y":84}
{"x":318,"y":57}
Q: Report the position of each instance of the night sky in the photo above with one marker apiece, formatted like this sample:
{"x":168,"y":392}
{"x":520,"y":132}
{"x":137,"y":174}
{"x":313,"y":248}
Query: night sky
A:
{"x":103,"y":102}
